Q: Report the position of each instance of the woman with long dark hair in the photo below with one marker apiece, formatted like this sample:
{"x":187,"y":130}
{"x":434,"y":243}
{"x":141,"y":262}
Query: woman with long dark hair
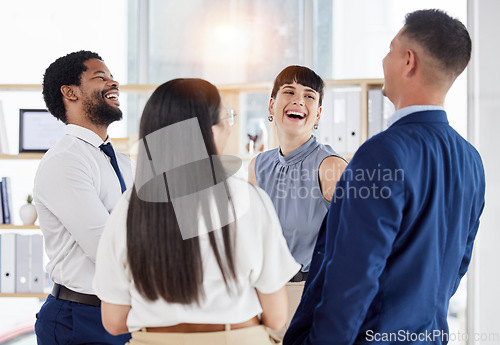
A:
{"x":191,"y":253}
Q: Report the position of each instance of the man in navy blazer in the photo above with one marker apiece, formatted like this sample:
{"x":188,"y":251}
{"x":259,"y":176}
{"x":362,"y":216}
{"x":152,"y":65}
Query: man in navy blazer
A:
{"x":399,"y":233}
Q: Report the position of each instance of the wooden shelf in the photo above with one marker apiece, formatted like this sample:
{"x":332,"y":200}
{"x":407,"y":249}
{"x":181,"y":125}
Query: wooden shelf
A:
{"x":376,"y":83}
{"x":20,"y":87}
{"x":25,"y":155}
{"x":33,"y":294}
{"x":120,"y":144}
{"x":234,"y":87}
{"x":19,"y":227}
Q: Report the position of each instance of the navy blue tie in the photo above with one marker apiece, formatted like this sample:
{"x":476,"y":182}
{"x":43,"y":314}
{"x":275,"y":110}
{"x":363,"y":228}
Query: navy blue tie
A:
{"x":108,"y":150}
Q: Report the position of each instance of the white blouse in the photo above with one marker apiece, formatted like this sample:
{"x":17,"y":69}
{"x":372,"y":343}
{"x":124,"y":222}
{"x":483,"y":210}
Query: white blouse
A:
{"x":262,"y":261}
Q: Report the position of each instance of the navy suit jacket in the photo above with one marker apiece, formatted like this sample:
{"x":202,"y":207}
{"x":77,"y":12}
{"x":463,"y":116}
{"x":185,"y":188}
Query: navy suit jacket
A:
{"x":397,"y":239}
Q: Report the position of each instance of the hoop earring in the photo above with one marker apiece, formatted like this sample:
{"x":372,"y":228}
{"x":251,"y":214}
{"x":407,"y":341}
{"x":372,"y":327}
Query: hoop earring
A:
{"x":316,"y":126}
{"x":270,"y":118}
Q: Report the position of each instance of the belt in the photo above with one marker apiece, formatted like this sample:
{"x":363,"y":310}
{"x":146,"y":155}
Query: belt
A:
{"x":62,"y":292}
{"x":299,"y":277}
{"x":201,"y":327}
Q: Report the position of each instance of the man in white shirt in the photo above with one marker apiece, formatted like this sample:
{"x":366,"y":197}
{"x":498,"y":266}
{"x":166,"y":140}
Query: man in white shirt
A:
{"x":78,"y":182}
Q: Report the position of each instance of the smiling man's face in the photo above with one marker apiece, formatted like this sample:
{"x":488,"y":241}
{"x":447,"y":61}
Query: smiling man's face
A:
{"x":100,"y":94}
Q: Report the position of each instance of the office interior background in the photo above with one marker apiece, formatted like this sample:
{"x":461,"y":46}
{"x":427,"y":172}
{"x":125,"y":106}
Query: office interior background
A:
{"x":249,"y":41}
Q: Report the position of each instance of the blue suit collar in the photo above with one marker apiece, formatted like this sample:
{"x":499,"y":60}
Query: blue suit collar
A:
{"x":428,"y":116}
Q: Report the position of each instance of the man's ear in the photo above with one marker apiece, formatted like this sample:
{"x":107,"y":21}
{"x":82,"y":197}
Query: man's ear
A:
{"x":411,"y":62}
{"x":68,"y":92}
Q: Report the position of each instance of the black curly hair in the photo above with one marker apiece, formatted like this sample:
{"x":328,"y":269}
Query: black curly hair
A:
{"x":66,"y":70}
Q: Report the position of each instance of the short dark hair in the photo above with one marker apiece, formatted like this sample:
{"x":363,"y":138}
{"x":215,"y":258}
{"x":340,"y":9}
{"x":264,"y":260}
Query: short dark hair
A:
{"x":301,"y":75}
{"x":66,"y":70}
{"x":443,"y":37}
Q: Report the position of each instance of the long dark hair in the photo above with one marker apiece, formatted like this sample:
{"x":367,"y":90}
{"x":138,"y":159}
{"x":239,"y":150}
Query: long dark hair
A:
{"x":163,"y":263}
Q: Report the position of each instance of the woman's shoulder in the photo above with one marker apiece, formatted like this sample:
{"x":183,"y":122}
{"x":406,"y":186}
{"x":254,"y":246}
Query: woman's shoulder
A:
{"x":247,"y":197}
{"x":268,"y":155}
{"x":327,"y":151}
{"x":241,"y":188}
{"x":119,"y":213}
{"x":265,"y":161}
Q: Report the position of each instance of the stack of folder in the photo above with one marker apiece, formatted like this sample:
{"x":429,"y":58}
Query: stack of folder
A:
{"x":21,"y":264}
{"x":379,"y":111}
{"x":340,"y":124}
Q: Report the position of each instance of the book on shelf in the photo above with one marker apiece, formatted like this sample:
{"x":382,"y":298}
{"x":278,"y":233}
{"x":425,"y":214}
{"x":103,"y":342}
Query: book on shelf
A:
{"x":1,"y":203}
{"x":5,"y":194}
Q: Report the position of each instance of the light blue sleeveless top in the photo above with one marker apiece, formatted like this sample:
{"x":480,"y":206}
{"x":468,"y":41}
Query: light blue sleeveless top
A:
{"x":292,"y":182}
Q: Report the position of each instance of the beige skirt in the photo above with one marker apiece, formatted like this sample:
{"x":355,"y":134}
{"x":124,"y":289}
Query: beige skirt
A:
{"x":294,"y":291}
{"x":254,"y":335}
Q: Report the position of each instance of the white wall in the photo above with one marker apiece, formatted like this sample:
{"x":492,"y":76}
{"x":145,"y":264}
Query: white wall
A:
{"x":484,"y":96}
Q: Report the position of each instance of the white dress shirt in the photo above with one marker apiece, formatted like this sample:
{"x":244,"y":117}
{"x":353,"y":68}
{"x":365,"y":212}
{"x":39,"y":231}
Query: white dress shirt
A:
{"x":75,"y":190}
{"x":261,"y":257}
